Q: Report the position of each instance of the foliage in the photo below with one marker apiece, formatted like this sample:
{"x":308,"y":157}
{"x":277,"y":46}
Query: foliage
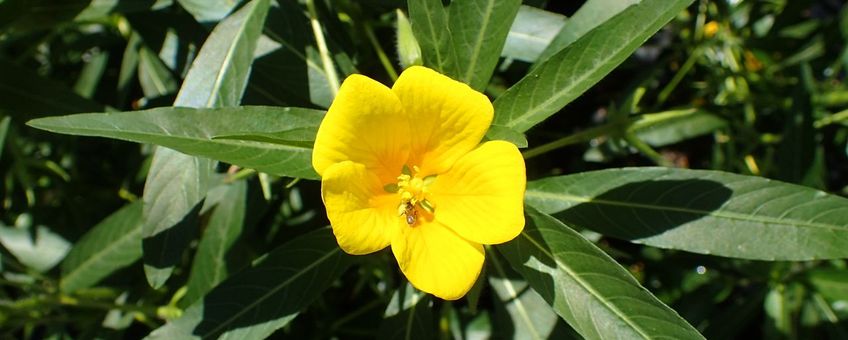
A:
{"x":687,"y":165}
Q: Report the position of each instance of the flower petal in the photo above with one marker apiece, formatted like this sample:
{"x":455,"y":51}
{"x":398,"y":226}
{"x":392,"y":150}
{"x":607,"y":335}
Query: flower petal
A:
{"x":447,"y":118}
{"x":436,"y":260}
{"x":364,"y":217}
{"x":482,"y":197}
{"x":365,"y":124}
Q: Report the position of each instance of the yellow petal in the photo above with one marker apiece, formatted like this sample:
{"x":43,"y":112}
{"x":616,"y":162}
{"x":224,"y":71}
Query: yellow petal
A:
{"x":365,"y":124}
{"x":447,"y":117}
{"x":363,"y":216}
{"x":482,"y":196}
{"x":436,"y":260}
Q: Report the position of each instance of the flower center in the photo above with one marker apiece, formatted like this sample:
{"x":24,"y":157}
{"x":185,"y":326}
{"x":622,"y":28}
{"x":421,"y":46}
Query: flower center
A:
{"x":413,"y":195}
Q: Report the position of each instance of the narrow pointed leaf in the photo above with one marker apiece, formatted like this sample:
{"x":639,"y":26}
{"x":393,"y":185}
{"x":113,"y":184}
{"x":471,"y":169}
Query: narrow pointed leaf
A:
{"x":589,"y":16}
{"x":572,"y":71}
{"x":255,"y":302}
{"x":479,"y":29}
{"x":242,"y":136}
{"x":112,"y":244}
{"x":177,"y":183}
{"x":531,"y":32}
{"x":527,"y":316}
{"x":226,"y":223}
{"x":206,"y":11}
{"x":707,"y":212}
{"x":409,"y":315}
{"x":586,"y":287}
{"x":429,"y":21}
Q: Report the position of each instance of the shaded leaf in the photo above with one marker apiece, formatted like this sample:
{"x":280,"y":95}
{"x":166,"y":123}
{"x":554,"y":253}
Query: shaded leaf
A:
{"x":206,"y":11}
{"x":669,"y":127}
{"x":254,"y":302}
{"x":831,"y":283}
{"x":527,"y":314}
{"x":155,"y":78}
{"x":497,"y":132}
{"x":707,"y":212}
{"x":409,"y":315}
{"x":247,"y":136}
{"x":586,"y":287}
{"x":572,"y":71}
{"x":226,"y":223}
{"x":479,"y":29}
{"x":25,"y":95}
{"x":112,"y":244}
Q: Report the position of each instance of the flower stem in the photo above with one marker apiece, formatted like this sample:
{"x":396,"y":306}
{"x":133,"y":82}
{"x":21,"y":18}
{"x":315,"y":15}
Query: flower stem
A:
{"x":329,"y":68}
{"x":582,"y":136}
{"x":384,"y":59}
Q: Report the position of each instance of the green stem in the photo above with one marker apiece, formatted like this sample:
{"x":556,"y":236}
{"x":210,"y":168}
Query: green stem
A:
{"x":646,"y":150}
{"x":606,"y":129}
{"x":381,"y":53}
{"x":329,"y":68}
{"x":666,"y":91}
{"x":352,"y":315}
{"x":831,"y":119}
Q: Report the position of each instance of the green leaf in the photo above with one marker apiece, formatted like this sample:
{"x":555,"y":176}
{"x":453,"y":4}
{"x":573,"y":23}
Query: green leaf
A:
{"x":531,"y":32}
{"x":206,"y":11}
{"x":40,"y":249}
{"x":226,"y":224}
{"x":479,"y":29}
{"x":592,"y":14}
{"x":707,"y":212}
{"x":219,"y":75}
{"x":497,"y":132}
{"x":669,"y":127}
{"x":91,"y":75}
{"x":156,"y":79}
{"x":409,"y":315}
{"x":527,"y":314}
{"x":175,"y":187}
{"x":430,"y":24}
{"x":253,"y":303}
{"x":112,"y":244}
{"x":246,"y":136}
{"x":586,"y":287}
{"x":572,"y":71}
{"x":177,"y":183}
{"x":4,"y":131}
{"x":831,"y":283}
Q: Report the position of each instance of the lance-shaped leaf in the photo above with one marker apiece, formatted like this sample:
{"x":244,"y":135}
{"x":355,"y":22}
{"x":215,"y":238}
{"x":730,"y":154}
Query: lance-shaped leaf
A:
{"x":707,"y":212}
{"x":112,"y":244}
{"x":275,"y":140}
{"x":572,"y":71}
{"x":211,"y":262}
{"x":253,"y":303}
{"x":408,"y":316}
{"x":206,"y":11}
{"x":587,"y":288}
{"x":177,"y":183}
{"x":531,"y":32}
{"x":589,"y":16}
{"x":479,"y":29}
{"x":430,"y":22}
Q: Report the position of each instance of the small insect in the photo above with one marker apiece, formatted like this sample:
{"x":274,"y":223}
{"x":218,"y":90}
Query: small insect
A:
{"x":411,"y":214}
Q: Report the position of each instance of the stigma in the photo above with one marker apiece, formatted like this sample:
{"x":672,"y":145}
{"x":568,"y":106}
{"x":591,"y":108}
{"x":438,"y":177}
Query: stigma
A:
{"x":412,"y":190}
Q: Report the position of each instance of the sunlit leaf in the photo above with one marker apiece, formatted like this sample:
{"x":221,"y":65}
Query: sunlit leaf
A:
{"x":40,"y":249}
{"x":269,"y":139}
{"x":409,"y":315}
{"x":429,"y":20}
{"x":570,"y":72}
{"x":586,"y":287}
{"x":531,"y":32}
{"x":177,"y":183}
{"x":479,"y":29}
{"x":707,"y":212}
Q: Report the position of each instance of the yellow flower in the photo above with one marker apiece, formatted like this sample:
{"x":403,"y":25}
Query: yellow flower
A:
{"x":404,"y":167}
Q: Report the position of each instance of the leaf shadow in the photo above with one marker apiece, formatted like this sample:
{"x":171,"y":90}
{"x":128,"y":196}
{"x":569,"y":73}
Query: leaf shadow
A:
{"x":644,"y":209}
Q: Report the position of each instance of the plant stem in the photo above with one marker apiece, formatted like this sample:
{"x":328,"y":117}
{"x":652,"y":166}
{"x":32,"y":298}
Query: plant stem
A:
{"x":384,"y":59}
{"x":582,"y":136}
{"x":329,"y":68}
